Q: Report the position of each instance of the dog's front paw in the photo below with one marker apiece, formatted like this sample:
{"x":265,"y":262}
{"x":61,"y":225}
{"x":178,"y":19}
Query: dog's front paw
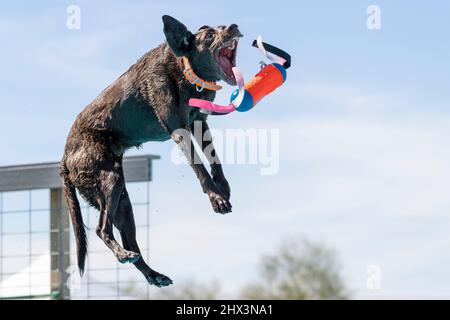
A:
{"x":219,"y":203}
{"x":223,"y":186}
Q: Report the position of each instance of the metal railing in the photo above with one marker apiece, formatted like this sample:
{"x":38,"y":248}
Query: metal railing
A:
{"x":37,"y":258}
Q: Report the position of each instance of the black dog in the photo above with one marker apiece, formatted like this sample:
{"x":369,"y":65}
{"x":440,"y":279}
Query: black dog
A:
{"x":147,"y":103}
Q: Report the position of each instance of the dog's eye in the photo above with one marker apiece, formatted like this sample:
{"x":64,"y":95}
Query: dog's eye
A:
{"x":209,"y":36}
{"x":206,"y":33}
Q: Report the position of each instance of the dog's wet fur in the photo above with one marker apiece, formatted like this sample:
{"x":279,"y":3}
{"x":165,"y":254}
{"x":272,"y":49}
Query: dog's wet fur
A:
{"x":149,"y":102}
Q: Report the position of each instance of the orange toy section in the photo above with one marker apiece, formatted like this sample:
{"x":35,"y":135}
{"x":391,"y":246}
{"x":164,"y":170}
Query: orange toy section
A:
{"x":264,"y":82}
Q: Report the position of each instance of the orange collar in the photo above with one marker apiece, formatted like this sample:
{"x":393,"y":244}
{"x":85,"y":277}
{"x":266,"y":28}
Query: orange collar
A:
{"x":199,"y":83}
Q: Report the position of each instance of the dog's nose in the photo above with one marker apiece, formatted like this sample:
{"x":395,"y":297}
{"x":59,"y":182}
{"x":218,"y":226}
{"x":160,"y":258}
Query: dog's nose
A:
{"x":233,"y":27}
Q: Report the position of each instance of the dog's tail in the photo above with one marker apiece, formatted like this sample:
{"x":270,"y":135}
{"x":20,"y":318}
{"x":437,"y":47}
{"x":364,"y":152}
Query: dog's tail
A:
{"x":76,"y":217}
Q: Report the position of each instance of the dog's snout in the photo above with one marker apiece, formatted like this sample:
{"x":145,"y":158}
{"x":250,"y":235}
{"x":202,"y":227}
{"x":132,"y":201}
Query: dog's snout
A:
{"x":233,"y":27}
{"x":233,"y":30}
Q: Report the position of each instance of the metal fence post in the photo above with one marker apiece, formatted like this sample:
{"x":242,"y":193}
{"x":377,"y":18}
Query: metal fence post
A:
{"x":59,"y":245}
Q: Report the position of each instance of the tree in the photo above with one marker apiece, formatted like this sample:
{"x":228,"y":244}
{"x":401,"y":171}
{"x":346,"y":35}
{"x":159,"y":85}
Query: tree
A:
{"x":299,"y":270}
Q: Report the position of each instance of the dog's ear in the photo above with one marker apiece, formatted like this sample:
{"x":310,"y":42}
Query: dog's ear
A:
{"x":179,"y":38}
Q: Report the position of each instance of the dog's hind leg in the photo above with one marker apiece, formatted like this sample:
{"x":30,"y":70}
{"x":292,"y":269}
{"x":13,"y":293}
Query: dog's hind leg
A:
{"x":124,"y":222}
{"x":112,"y":184}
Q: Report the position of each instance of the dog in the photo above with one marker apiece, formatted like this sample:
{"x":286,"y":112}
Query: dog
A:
{"x":149,"y":102}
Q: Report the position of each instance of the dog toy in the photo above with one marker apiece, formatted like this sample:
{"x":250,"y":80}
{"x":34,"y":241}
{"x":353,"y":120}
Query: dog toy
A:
{"x":268,"y":79}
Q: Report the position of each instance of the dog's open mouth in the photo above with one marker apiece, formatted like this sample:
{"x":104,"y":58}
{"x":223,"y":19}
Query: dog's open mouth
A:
{"x":226,"y":58}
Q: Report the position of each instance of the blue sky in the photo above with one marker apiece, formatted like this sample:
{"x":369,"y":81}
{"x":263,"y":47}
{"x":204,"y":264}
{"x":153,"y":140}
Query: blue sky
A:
{"x":364,"y":131}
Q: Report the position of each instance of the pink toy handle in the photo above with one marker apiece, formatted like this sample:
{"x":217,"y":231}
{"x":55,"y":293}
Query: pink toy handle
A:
{"x":199,"y":103}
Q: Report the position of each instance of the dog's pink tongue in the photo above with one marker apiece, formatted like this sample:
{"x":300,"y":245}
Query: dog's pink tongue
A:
{"x":226,"y":66}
